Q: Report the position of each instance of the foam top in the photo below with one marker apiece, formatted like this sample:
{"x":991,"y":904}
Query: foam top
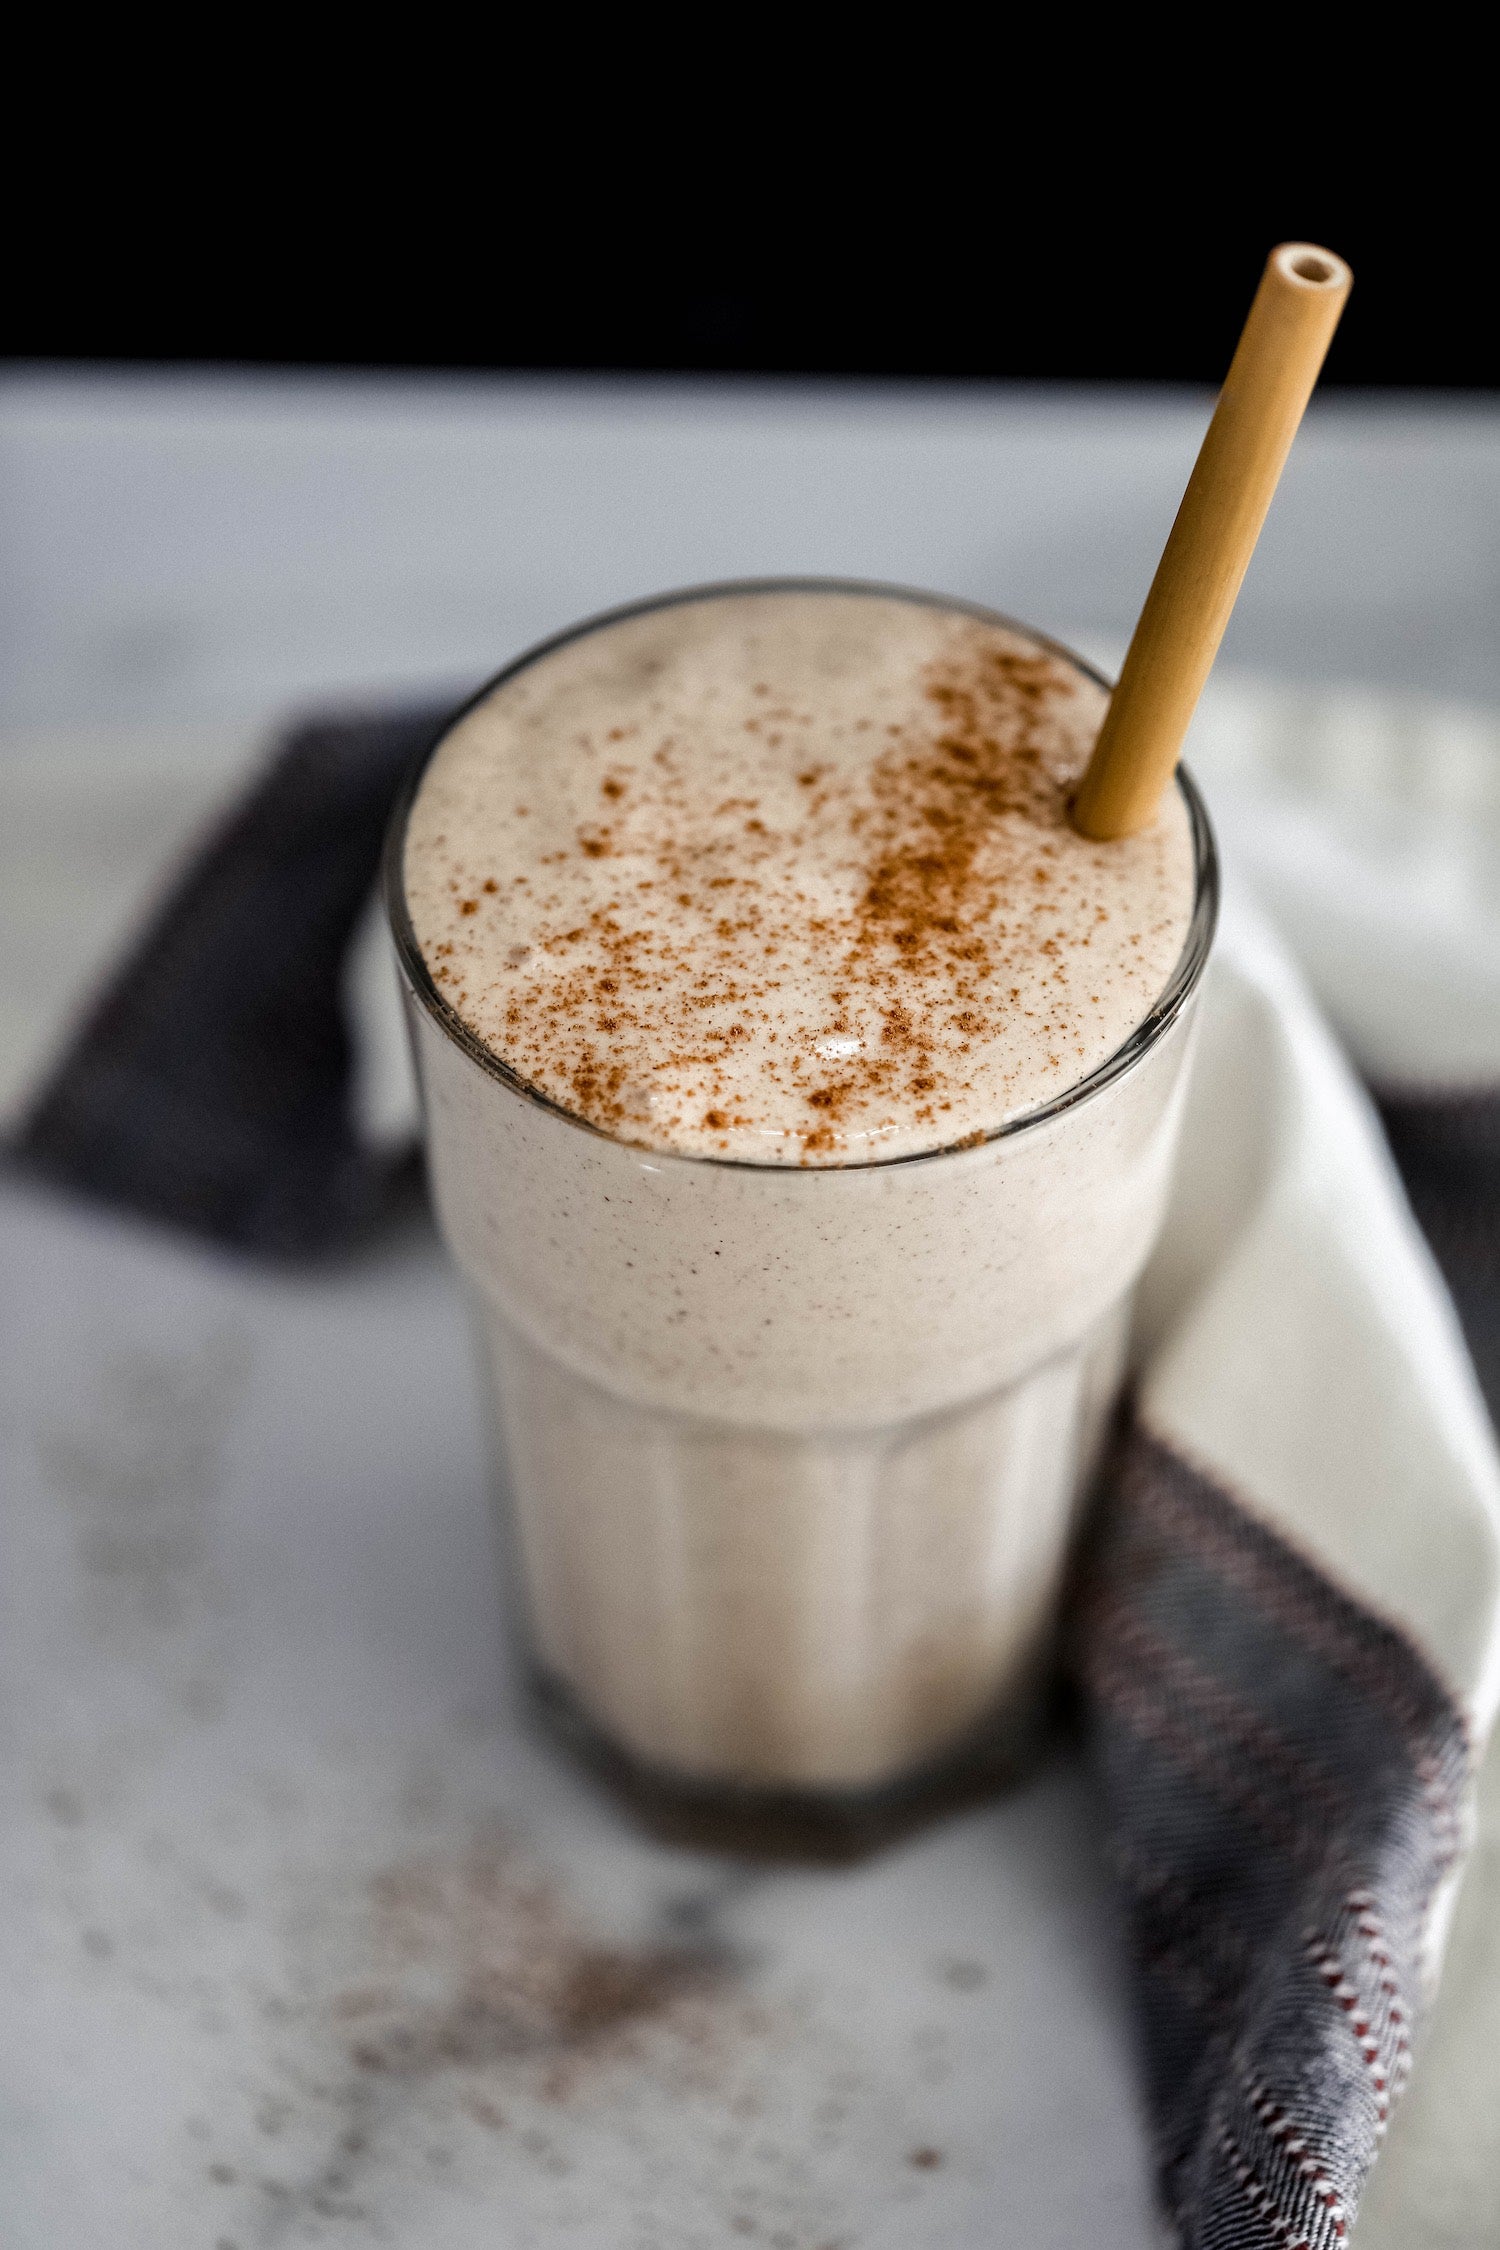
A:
{"x":787,"y":877}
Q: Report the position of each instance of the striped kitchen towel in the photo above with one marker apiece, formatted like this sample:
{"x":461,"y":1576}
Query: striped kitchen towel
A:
{"x":1287,"y":1627}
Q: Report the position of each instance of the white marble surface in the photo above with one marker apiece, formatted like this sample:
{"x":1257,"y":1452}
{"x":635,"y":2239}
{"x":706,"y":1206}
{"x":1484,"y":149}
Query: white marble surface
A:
{"x":208,"y":549}
{"x":305,"y":1938}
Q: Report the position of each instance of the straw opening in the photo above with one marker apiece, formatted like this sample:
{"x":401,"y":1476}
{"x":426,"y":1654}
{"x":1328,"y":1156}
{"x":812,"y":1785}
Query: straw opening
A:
{"x":1320,"y":271}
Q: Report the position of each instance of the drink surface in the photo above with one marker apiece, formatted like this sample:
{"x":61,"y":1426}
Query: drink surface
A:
{"x":787,"y":877}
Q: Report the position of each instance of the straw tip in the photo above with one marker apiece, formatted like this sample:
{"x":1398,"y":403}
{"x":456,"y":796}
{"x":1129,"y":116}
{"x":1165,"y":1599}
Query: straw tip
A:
{"x":1308,"y":266}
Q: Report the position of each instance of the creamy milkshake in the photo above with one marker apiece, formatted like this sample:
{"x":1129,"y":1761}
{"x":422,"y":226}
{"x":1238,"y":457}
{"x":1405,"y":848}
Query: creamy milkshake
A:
{"x":801,"y":1092}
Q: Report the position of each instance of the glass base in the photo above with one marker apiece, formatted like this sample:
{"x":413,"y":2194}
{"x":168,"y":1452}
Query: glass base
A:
{"x":790,"y":1620}
{"x":819,"y":1826}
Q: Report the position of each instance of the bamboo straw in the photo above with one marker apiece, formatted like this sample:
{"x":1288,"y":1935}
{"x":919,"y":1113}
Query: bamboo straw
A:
{"x":1270,"y":380}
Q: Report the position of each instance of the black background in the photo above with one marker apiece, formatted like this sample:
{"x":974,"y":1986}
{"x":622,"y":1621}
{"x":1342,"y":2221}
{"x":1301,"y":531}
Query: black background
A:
{"x":906,"y":235}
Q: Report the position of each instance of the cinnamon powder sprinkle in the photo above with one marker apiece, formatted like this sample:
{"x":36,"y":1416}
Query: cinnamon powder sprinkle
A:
{"x":797,"y":881}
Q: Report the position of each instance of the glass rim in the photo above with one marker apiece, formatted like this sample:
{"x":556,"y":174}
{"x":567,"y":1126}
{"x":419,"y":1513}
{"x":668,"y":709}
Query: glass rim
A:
{"x":1152,"y":1027}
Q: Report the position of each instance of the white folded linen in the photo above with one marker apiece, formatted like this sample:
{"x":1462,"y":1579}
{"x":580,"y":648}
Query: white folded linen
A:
{"x":1369,"y":827}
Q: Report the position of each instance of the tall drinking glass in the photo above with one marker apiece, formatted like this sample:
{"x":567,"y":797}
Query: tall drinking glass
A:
{"x":794,"y":1456}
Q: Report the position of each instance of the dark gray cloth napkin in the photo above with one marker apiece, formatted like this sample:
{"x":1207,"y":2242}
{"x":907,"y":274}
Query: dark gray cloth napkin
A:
{"x":1284,"y":1780}
{"x":211,"y":1084}
{"x":1282,"y":1772}
{"x":1448,"y":1148}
